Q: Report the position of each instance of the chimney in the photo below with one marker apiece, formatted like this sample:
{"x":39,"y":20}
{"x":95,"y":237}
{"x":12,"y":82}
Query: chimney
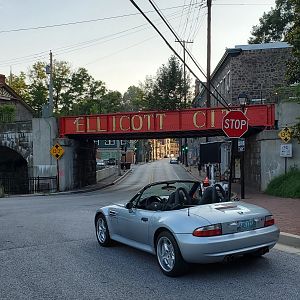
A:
{"x":2,"y":79}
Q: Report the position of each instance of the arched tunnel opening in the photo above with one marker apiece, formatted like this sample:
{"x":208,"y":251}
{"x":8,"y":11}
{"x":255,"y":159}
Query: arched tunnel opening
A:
{"x":13,"y":172}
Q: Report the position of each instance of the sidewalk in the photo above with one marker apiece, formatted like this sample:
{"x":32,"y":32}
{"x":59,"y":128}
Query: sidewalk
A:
{"x":111,"y":180}
{"x":286,"y":211}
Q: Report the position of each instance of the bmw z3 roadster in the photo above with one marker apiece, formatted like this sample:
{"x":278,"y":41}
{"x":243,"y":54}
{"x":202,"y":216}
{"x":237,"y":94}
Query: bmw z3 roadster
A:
{"x":175,"y":222}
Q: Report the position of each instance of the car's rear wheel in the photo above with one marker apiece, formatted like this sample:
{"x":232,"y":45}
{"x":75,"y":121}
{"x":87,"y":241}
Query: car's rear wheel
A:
{"x":102,"y":231}
{"x":168,"y":255}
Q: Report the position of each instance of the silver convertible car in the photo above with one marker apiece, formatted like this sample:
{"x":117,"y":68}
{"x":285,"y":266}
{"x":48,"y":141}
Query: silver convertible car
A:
{"x":175,"y":222}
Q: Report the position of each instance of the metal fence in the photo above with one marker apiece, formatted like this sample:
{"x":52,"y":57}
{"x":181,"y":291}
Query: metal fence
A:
{"x":28,"y":185}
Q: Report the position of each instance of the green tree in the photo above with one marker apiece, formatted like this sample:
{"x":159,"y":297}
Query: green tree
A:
{"x":38,"y":86}
{"x":293,"y":37}
{"x":19,"y":85}
{"x":133,"y":99}
{"x":274,"y":25}
{"x":168,"y":90}
{"x":112,"y":102}
{"x":61,"y":79}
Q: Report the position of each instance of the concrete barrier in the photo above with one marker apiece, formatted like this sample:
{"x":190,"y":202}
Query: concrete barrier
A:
{"x":106,"y":172}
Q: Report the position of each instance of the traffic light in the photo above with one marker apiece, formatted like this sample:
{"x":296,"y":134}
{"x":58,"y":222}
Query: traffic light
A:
{"x":184,"y":148}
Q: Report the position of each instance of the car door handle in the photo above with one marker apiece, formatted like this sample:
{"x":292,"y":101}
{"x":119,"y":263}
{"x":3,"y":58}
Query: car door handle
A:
{"x":144,"y":219}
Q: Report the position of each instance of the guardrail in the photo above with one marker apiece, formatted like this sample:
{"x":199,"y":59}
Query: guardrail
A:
{"x":30,"y":185}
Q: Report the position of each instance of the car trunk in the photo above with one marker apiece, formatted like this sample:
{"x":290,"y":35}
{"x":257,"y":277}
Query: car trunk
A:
{"x":234,"y":216}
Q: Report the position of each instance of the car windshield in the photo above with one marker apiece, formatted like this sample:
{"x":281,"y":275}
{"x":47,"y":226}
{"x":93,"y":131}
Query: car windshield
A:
{"x":164,"y":189}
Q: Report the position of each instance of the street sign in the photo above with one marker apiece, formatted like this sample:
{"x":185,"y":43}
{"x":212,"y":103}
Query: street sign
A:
{"x":285,"y":134}
{"x":241,"y":145}
{"x":235,"y":124}
{"x":286,"y":150}
{"x":57,"y":151}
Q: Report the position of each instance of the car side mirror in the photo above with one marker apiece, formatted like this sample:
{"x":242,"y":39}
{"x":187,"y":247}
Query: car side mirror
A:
{"x":129,"y":205}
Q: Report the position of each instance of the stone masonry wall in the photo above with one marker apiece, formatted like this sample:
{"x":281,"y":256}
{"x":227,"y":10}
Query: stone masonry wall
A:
{"x":255,"y":72}
{"x":18,"y":136}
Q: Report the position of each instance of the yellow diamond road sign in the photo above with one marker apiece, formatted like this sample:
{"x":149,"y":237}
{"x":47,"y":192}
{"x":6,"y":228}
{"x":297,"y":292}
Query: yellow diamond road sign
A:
{"x":57,"y":151}
{"x":285,"y":134}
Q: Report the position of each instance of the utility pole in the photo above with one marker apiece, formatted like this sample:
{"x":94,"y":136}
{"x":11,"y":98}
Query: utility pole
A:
{"x":208,"y":52}
{"x":185,"y":158}
{"x":51,"y":87}
{"x":208,"y":57}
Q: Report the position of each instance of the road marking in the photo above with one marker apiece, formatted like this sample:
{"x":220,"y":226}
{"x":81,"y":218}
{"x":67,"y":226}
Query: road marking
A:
{"x":287,"y":249}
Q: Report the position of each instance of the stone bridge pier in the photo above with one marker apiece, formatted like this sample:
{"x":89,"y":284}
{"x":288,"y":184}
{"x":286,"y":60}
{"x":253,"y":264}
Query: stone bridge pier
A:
{"x":25,"y":157}
{"x":75,"y":169}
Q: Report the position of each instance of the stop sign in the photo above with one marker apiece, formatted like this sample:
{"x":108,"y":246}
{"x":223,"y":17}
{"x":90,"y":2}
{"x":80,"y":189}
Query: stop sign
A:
{"x":235,"y":124}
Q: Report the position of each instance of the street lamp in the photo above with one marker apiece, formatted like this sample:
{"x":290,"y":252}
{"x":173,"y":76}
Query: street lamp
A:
{"x":243,"y":100}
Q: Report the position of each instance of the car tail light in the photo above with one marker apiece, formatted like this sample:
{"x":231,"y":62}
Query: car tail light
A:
{"x":269,"y":221}
{"x":205,"y":231}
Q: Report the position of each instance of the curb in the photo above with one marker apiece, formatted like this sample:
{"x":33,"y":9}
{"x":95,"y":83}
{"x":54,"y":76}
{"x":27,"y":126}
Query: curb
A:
{"x":86,"y":190}
{"x":289,"y":239}
{"x":122,"y":177}
{"x":95,"y":188}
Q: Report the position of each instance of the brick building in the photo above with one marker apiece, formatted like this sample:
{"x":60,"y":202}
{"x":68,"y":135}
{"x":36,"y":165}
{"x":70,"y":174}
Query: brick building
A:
{"x":256,"y":69}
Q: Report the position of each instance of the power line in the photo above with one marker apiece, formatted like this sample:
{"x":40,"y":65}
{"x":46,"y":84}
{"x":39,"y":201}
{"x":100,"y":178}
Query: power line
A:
{"x":194,"y":61}
{"x":79,"y":46}
{"x":241,"y":4}
{"x":81,"y":22}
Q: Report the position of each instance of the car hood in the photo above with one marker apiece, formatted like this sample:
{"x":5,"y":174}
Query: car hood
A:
{"x":228,"y":211}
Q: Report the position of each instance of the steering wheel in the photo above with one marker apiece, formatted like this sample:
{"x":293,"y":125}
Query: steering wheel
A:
{"x":152,"y":199}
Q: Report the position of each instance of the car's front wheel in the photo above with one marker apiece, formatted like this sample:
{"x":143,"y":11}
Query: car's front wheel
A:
{"x":102,"y":231}
{"x":168,"y":255}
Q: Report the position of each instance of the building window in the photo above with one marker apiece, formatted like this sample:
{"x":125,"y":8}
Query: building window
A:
{"x":110,"y":142}
{"x":228,"y":82}
{"x":123,"y":142}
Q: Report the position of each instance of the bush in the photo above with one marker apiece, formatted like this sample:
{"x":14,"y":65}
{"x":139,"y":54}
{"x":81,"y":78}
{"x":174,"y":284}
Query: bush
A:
{"x":286,"y":185}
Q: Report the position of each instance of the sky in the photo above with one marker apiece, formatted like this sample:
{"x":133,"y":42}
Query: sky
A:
{"x":113,"y":41}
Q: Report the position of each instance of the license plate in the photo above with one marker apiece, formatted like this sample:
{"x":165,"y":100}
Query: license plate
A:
{"x":246,"y":225}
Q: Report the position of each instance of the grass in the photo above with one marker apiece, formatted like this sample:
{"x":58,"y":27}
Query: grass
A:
{"x":286,"y":185}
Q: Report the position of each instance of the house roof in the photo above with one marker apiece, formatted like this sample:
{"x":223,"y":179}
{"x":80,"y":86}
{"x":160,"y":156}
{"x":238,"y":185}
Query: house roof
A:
{"x":12,"y":95}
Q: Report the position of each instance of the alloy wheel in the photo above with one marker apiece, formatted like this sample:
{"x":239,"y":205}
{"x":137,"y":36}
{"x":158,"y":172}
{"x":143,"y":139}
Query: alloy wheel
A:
{"x":165,"y":254}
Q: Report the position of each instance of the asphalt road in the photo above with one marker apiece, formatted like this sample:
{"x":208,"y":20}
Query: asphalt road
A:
{"x":48,"y":250}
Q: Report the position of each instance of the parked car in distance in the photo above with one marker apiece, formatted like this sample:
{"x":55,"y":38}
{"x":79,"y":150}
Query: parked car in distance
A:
{"x":101,"y":163}
{"x":178,"y":224}
{"x":111,"y":161}
{"x":173,"y":160}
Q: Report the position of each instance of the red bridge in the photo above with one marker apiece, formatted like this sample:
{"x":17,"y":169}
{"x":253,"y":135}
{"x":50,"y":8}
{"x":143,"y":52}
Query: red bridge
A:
{"x":195,"y":122}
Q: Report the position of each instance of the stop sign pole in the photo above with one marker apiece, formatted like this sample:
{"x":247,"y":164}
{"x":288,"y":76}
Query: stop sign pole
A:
{"x":235,"y":125}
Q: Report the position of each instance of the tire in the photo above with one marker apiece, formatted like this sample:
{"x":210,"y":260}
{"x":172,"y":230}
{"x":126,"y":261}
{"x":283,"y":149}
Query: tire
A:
{"x":102,"y":232}
{"x":168,"y":255}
